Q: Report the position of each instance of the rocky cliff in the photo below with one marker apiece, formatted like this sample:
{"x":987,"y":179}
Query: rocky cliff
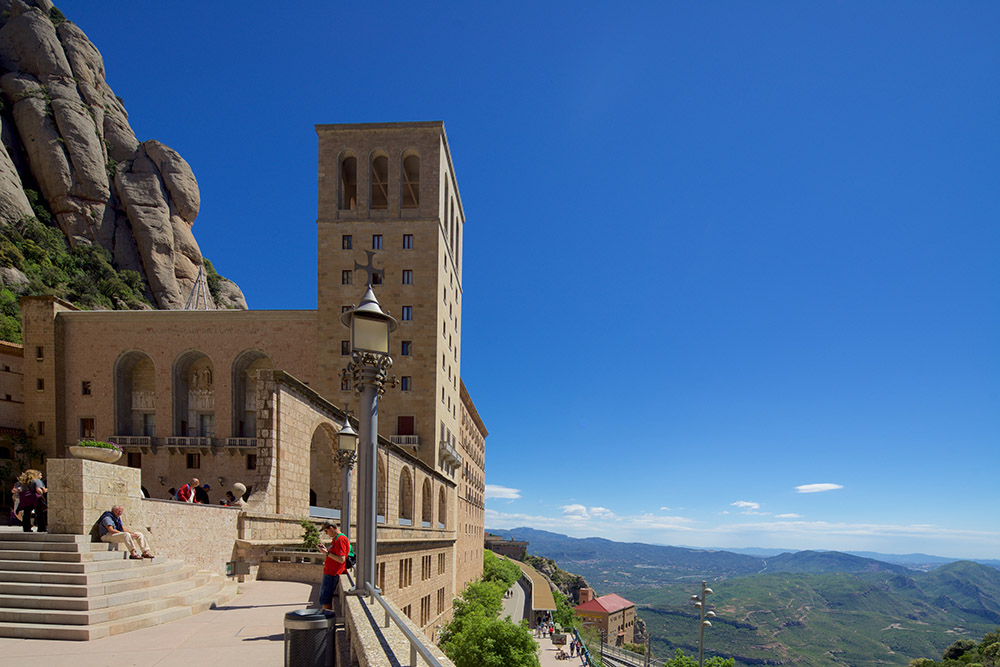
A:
{"x":66,"y":136}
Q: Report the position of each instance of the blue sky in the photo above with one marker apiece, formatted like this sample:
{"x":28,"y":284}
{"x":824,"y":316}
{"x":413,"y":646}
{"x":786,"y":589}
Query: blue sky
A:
{"x":714,"y":252}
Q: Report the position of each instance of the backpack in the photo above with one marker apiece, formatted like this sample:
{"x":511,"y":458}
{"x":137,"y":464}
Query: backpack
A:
{"x":351,"y":558}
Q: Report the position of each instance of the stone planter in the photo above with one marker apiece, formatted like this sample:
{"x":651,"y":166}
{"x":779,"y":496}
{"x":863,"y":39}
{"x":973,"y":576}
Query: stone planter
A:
{"x":101,"y":454}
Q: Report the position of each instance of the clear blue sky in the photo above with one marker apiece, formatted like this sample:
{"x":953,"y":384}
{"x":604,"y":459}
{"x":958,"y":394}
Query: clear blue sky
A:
{"x":714,"y":252}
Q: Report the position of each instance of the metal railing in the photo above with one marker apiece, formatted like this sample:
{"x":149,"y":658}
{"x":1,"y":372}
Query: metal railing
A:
{"x":416,"y":643}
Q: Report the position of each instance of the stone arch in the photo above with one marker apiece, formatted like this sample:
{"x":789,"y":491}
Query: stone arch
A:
{"x":135,"y":394}
{"x":244,"y":391}
{"x":324,"y":474}
{"x":442,"y":508}
{"x":347,"y":195}
{"x":194,"y":395}
{"x":405,"y":497}
{"x":409,"y":179}
{"x":426,"y":504}
{"x":382,"y":489}
{"x":378,"y":180}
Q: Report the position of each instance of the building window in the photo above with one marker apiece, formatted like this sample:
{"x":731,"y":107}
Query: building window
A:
{"x":344,"y":309}
{"x":40,"y":384}
{"x":376,"y":241}
{"x":193,"y":461}
{"x":380,"y":182}
{"x":440,"y":607}
{"x":41,"y":428}
{"x":251,"y":461}
{"x":345,"y":384}
{"x":441,"y":563}
{"x":405,"y":572}
{"x":405,"y":383}
{"x":376,"y":278}
{"x":407,"y":313}
{"x":411,"y":182}
{"x":425,"y":610}
{"x":408,"y":610}
{"x":407,"y":348}
{"x":85,"y":388}
{"x":86,"y":428}
{"x":407,"y":276}
{"x":346,"y":242}
{"x":407,"y":241}
{"x":345,"y":277}
{"x":345,"y":348}
{"x":39,"y":353}
{"x":134,"y":460}
{"x":380,"y":576}
{"x":425,"y":568}
{"x":348,"y":184}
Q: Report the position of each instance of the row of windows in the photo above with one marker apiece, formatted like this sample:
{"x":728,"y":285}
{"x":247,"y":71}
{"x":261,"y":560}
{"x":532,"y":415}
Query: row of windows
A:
{"x":379,"y":182}
{"x":347,"y":242}
{"x":347,"y":277}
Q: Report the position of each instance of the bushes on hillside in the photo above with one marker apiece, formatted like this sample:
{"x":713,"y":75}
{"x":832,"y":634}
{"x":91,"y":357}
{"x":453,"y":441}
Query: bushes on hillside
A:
{"x":967,"y":653}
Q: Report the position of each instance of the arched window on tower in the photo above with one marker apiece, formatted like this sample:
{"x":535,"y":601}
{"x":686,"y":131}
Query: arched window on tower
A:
{"x":348,"y":199}
{"x":380,"y":182}
{"x":411,"y":182}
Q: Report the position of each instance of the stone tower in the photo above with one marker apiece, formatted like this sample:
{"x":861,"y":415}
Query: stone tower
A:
{"x":388,"y":197}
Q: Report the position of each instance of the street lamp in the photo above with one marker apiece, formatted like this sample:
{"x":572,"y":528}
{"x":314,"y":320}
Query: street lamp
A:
{"x":699,"y":602}
{"x":347,"y":453}
{"x":369,"y":369}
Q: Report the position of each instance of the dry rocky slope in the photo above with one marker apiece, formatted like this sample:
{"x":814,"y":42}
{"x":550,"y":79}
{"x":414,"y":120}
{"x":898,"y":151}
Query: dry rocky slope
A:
{"x":65,"y":132}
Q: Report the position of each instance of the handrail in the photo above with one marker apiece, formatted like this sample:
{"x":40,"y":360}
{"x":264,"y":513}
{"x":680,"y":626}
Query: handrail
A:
{"x":416,"y":643}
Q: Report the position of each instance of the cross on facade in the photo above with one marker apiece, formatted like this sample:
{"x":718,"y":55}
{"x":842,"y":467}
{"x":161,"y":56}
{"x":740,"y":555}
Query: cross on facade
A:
{"x":370,"y":268}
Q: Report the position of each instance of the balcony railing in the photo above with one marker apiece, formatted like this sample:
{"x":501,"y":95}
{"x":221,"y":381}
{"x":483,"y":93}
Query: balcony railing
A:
{"x":449,"y":455}
{"x":411,"y":441}
{"x":132,"y":440}
{"x":241,"y":442}
{"x":196,"y":441}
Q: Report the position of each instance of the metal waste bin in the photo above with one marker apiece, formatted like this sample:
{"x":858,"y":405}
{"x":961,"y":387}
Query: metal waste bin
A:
{"x":309,"y":638}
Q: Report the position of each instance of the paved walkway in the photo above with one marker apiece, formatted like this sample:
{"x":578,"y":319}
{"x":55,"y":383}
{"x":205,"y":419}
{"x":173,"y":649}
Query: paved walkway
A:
{"x":547,"y":652}
{"x":248,"y":632}
{"x":513,"y":606}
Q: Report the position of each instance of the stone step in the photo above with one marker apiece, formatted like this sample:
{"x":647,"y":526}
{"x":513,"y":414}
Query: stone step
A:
{"x":128,"y":570}
{"x":19,"y":536}
{"x":38,"y":545}
{"x":88,"y":602}
{"x":62,"y":556}
{"x":89,"y":567}
{"x":157,"y":575}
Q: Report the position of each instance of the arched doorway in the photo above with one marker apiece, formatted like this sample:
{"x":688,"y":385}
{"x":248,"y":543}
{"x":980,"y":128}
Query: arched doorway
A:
{"x":194,"y":395}
{"x":324,"y":473}
{"x":244,"y":394}
{"x":135,"y":395}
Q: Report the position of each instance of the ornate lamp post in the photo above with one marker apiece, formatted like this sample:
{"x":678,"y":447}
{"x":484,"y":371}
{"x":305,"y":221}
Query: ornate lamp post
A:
{"x":699,"y":602}
{"x":369,"y":370}
{"x":347,"y":453}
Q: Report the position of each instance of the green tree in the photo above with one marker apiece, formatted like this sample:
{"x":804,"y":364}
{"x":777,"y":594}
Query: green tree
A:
{"x":310,"y":535}
{"x":681,"y":660}
{"x":564,"y":614}
{"x":501,"y":571}
{"x":487,"y":641}
{"x":958,"y":649}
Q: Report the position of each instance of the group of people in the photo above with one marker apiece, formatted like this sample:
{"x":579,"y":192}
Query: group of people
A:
{"x":30,"y":501}
{"x":196,"y":492}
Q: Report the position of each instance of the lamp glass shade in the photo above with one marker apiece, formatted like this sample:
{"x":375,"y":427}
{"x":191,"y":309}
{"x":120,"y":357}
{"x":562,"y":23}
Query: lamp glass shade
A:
{"x":369,"y":334}
{"x":347,"y":440}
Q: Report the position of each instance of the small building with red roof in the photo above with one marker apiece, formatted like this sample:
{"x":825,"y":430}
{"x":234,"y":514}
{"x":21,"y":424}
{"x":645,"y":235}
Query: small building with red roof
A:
{"x":612,"y":614}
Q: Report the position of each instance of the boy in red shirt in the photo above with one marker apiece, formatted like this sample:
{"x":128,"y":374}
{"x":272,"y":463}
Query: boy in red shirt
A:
{"x":335,"y":563}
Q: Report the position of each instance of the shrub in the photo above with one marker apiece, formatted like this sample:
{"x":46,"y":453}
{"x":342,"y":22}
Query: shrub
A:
{"x":99,"y":444}
{"x":310,"y":535}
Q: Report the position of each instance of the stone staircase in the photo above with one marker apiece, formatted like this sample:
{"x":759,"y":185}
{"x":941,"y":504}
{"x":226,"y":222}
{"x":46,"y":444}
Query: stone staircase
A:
{"x":67,"y":587}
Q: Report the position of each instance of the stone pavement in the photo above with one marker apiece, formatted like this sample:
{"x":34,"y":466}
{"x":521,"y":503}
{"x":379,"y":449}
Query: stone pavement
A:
{"x":547,"y":652}
{"x":247,"y":632}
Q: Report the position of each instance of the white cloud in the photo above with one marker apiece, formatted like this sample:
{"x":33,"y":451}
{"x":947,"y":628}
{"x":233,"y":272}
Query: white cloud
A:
{"x":817,"y":488}
{"x":748,"y":507}
{"x":502,"y":492}
{"x":664,"y":509}
{"x":790,"y":515}
{"x":574,"y":511}
{"x":601,"y":513}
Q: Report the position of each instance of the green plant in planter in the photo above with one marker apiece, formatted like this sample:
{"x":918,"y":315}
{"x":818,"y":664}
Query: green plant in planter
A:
{"x":98,"y":444}
{"x":310,"y":535}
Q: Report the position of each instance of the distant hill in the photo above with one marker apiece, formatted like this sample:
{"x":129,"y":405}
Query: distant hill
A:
{"x":808,"y":608}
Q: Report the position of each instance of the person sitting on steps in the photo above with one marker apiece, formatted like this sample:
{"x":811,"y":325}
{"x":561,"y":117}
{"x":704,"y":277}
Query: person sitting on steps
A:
{"x":113,"y":532}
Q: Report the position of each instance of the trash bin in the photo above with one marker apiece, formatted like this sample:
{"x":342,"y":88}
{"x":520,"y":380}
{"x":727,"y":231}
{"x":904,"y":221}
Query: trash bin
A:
{"x":309,"y":638}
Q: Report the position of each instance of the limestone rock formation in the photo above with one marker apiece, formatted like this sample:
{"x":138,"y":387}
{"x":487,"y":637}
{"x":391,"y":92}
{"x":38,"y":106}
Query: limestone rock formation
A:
{"x":66,"y":134}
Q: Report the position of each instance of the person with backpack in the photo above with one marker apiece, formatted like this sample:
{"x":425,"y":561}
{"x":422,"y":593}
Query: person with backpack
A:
{"x":335,"y":564}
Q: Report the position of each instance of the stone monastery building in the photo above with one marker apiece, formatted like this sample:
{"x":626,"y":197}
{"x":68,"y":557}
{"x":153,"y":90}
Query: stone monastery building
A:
{"x":257,"y":396}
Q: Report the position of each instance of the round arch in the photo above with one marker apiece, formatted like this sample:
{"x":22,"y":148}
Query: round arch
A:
{"x":134,"y":394}
{"x":405,"y":498}
{"x":426,"y":504}
{"x":194,"y":395}
{"x":244,"y":391}
{"x":324,"y":474}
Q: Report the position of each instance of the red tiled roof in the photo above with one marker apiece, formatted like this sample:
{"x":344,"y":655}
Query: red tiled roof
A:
{"x":609,"y":604}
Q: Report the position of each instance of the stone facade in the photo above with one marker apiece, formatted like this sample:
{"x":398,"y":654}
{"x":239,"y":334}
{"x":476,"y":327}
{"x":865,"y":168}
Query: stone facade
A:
{"x":11,"y":386}
{"x":255,"y":396}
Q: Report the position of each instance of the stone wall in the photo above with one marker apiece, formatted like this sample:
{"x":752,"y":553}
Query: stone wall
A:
{"x":11,"y":385}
